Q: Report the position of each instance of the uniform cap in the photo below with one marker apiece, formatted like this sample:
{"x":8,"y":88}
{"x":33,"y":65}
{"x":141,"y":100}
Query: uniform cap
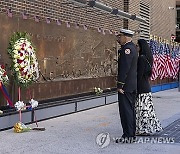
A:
{"x":127,"y":32}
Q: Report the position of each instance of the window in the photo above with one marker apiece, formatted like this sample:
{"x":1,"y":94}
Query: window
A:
{"x":145,"y":27}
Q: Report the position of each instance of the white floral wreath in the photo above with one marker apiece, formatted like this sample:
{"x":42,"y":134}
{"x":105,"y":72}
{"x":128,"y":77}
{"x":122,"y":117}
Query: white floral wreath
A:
{"x":25,"y":63}
{"x":3,"y":75}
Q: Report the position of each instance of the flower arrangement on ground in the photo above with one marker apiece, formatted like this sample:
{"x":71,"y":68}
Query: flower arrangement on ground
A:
{"x":98,"y":91}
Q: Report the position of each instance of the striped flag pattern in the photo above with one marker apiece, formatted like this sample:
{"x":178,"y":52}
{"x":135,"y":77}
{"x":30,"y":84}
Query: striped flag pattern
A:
{"x":166,"y":60}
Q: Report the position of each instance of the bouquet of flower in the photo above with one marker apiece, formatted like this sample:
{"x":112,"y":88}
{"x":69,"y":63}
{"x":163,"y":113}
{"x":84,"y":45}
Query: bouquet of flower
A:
{"x":3,"y":75}
{"x":1,"y":112}
{"x":19,"y":127}
{"x":24,"y":61}
{"x":20,"y":105}
{"x":98,"y":91}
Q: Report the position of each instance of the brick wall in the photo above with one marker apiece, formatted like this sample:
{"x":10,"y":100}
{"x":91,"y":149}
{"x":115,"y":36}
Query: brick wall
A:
{"x":134,"y":9}
{"x":60,"y":9}
{"x":162,"y":21}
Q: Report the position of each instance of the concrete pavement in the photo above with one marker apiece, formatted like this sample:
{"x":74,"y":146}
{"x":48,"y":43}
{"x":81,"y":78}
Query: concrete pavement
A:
{"x":76,"y":133}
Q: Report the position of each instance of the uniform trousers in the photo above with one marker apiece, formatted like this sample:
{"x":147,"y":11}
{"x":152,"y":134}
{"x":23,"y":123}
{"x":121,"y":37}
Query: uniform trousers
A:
{"x":127,"y":113}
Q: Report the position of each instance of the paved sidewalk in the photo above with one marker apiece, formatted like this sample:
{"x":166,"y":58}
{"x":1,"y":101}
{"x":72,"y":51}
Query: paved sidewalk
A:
{"x":76,"y":133}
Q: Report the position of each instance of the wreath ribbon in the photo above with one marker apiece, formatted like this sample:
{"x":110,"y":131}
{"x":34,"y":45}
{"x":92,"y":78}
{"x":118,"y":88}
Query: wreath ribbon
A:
{"x":5,"y":94}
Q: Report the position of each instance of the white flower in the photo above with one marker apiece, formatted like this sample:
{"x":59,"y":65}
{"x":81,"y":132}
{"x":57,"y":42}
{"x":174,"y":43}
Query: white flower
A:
{"x":16,"y":65}
{"x":21,"y":57}
{"x":29,"y":50}
{"x":17,"y":47}
{"x":16,"y":56}
{"x":19,"y":105}
{"x":16,"y":69}
{"x":33,"y":103}
{"x":22,"y":65}
{"x":98,"y":91}
{"x":3,"y":76}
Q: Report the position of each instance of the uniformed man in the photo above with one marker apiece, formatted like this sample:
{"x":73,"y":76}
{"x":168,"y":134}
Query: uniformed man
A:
{"x":127,"y":83}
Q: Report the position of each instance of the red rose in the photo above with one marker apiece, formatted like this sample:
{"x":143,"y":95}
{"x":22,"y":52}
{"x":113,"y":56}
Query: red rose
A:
{"x":4,"y":74}
{"x":22,"y":73}
{"x":19,"y":61}
{"x":21,"y":69}
{"x":2,"y":66}
{"x":22,"y":48}
{"x":21,"y":54}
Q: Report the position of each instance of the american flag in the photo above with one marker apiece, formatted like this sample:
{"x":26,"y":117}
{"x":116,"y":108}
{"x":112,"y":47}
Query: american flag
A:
{"x":154,"y":49}
{"x":76,"y":25}
{"x":48,"y":20}
{"x":99,"y":29}
{"x":24,"y":15}
{"x":68,"y":24}
{"x":85,"y":27}
{"x":166,"y":62}
{"x":162,"y":61}
{"x":9,"y":13}
{"x":36,"y":18}
{"x":58,"y":22}
{"x":169,"y":67}
{"x":175,"y":57}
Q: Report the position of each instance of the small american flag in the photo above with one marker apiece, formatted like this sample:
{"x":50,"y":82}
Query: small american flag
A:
{"x":103,"y":31}
{"x":85,"y":27}
{"x":24,"y":15}
{"x":48,"y":21}
{"x":110,"y":32}
{"x":76,"y":25}
{"x":99,"y":30}
{"x":9,"y":13}
{"x":58,"y":22}
{"x":68,"y":24}
{"x":36,"y":18}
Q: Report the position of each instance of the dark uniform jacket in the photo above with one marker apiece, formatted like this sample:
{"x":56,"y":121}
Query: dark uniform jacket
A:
{"x":127,"y":68}
{"x":143,"y":85}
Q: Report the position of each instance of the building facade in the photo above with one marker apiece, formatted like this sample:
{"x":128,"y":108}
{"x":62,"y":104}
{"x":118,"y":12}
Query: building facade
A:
{"x":178,"y":21}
